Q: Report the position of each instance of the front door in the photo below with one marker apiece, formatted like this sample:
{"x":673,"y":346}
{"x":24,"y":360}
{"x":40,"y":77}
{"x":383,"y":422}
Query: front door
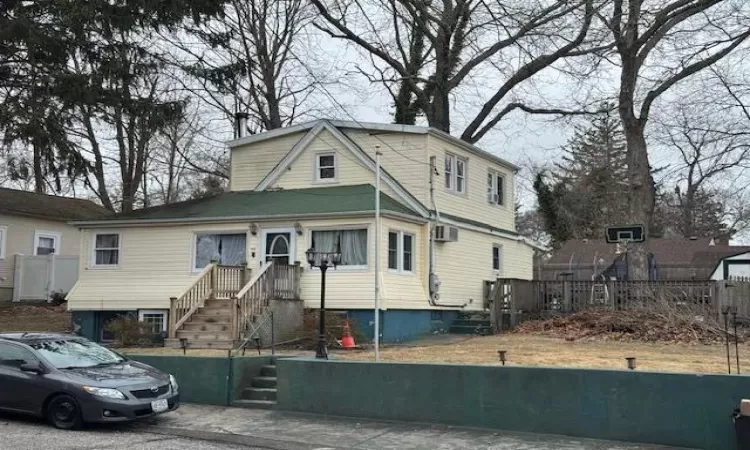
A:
{"x":278,"y":246}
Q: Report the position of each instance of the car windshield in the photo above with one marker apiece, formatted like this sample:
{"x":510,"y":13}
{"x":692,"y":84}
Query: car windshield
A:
{"x":69,"y":354}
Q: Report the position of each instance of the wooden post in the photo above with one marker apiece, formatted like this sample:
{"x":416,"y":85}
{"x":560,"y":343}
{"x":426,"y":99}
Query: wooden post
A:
{"x":172,"y":317}
{"x":234,"y":304}
{"x":297,"y":281}
{"x":214,"y":281}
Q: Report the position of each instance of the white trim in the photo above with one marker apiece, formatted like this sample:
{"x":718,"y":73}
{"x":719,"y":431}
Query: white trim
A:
{"x":163,"y":312}
{"x":400,"y":234}
{"x":292,"y":243}
{"x":371,"y":126}
{"x":194,"y":243}
{"x":511,"y":237}
{"x":54,"y":235}
{"x":335,"y":167}
{"x":92,"y":255}
{"x":361,"y":226}
{"x":273,"y":176}
{"x":3,"y":238}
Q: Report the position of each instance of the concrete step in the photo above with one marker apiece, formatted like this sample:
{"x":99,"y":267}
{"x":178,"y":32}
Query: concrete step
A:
{"x":264,"y":382}
{"x":259,"y":394}
{"x":210,"y":318}
{"x":476,"y":315}
{"x":471,"y":322}
{"x":257,"y":404}
{"x":268,"y":371}
{"x":214,"y":344}
{"x":212,"y":327}
{"x":204,"y":335}
{"x":479,"y":330}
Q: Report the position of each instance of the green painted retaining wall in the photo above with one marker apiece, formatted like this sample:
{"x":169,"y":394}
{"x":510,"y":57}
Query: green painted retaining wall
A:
{"x":210,"y":381}
{"x":661,"y":408}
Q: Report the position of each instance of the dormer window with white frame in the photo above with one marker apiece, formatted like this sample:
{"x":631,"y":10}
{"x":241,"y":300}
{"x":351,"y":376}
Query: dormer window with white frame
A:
{"x":325,"y":168}
{"x":495,"y":188}
{"x":455,"y":174}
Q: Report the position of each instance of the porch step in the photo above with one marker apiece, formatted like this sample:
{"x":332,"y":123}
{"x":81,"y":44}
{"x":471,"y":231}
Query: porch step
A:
{"x":482,"y":330}
{"x":268,"y":371}
{"x":471,"y":322}
{"x":259,"y":394}
{"x":257,"y":404}
{"x":213,"y":311}
{"x":211,"y":327}
{"x":210,"y":318}
{"x":218,"y":344}
{"x":204,"y":335}
{"x":264,"y":382}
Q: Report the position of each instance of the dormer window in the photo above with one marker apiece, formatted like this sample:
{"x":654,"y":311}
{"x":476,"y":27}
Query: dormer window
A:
{"x":455,"y":174}
{"x":325,"y":168}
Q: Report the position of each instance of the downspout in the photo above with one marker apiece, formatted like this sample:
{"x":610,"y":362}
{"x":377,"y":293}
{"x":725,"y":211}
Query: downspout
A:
{"x":432,"y":278}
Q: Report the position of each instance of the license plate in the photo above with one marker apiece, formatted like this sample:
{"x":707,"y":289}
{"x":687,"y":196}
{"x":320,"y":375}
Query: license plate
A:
{"x":159,"y":405}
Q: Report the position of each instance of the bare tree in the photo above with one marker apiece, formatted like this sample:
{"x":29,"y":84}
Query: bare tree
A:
{"x":245,"y":62}
{"x":659,"y":44}
{"x":423,"y":50}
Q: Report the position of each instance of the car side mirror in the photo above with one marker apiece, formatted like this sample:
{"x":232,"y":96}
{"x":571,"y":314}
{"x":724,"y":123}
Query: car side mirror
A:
{"x":32,"y":368}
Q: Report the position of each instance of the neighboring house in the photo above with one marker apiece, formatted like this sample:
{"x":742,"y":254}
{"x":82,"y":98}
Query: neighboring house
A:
{"x":36,"y":225}
{"x":669,"y":259}
{"x":312,"y":185}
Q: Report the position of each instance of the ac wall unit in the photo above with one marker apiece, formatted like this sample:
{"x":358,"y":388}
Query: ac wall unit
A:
{"x":446,"y":234}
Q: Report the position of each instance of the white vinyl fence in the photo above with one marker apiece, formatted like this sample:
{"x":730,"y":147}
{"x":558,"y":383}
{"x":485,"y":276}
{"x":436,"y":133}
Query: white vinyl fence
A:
{"x":36,"y":278}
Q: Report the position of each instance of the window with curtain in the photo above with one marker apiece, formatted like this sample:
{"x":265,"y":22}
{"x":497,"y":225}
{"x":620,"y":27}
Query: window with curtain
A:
{"x":107,"y":249}
{"x":352,"y":244}
{"x":46,"y":244}
{"x":226,"y":249}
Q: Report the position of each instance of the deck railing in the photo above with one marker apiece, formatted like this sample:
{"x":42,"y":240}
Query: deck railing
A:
{"x":229,"y":280}
{"x":182,"y":307}
{"x":272,"y":281}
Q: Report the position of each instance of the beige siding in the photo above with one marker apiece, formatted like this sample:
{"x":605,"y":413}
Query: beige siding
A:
{"x":252,"y":162}
{"x":20,"y":240}
{"x":463,"y":266}
{"x":156,"y":265}
{"x":473,"y":204}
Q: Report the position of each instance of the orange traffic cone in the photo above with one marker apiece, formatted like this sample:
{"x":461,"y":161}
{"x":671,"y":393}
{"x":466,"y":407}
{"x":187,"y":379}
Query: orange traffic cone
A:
{"x":347,"y":342}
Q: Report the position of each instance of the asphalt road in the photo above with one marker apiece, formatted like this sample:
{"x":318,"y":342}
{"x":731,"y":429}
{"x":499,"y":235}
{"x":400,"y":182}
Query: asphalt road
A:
{"x":20,"y":433}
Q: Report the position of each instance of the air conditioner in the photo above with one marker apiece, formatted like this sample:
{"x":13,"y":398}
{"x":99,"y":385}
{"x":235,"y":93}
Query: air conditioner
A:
{"x":446,"y":234}
{"x":494,"y":199}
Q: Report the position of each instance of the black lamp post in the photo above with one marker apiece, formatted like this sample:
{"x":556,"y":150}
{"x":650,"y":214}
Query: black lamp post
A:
{"x":322,"y":260}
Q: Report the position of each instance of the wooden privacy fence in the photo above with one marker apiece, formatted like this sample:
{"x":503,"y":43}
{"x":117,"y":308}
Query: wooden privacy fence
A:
{"x":541,"y":297}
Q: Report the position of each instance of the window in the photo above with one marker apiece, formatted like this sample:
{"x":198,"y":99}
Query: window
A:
{"x":155,"y":319}
{"x":495,"y":188}
{"x":226,"y":249}
{"x":3,"y":232}
{"x":325,"y":167}
{"x":106,"y":249}
{"x":497,"y":257}
{"x":46,"y":243}
{"x":400,"y":251}
{"x":455,"y":174}
{"x":351,"y":243}
{"x":15,"y":355}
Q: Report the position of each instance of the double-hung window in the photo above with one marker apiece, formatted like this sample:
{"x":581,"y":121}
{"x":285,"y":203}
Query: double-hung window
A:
{"x":46,"y":243}
{"x":455,"y":174}
{"x":495,"y":188}
{"x":325,"y":167}
{"x":351,"y":243}
{"x":400,"y":251}
{"x":107,"y":249}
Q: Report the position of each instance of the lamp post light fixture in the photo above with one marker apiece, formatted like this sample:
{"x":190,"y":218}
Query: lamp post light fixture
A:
{"x":322,"y":260}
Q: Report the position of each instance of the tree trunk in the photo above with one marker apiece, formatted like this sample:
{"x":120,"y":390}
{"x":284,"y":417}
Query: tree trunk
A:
{"x":641,"y":197}
{"x":39,"y":186}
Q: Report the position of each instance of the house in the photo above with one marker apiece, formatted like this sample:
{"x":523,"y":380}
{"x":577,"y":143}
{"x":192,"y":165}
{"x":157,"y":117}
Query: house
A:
{"x":447,"y":210}
{"x":34,"y":225}
{"x":669,"y":259}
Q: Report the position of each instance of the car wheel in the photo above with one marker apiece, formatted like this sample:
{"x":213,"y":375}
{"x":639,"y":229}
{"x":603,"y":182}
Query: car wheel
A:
{"x":63,"y":413}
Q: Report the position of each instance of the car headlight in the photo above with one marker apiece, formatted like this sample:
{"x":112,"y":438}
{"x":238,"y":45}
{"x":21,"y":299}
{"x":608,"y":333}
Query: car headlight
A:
{"x":173,"y":383}
{"x":104,"y":392}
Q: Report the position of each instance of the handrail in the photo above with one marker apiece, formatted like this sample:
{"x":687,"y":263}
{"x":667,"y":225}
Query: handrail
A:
{"x":183,"y":307}
{"x":251,"y":299}
{"x":254,"y":279}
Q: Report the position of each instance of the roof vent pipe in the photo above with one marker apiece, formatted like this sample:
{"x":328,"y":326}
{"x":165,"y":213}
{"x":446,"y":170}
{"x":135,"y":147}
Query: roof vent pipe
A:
{"x":240,"y":125}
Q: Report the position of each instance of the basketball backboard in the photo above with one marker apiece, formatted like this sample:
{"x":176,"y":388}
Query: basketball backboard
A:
{"x":626,"y":233}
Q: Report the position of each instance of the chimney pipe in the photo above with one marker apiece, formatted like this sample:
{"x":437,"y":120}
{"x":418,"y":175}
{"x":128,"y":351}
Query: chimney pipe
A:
{"x":240,"y":125}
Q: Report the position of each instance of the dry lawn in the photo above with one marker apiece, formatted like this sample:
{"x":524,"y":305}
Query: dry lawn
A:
{"x":526,"y":350}
{"x":34,"y":318}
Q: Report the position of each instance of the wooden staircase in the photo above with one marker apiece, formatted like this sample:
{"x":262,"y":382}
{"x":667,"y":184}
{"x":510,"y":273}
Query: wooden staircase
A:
{"x":219,"y":307}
